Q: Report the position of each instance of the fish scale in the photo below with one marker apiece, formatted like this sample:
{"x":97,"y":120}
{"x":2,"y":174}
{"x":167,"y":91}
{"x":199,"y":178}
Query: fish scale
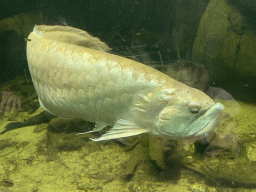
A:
{"x":91,"y":78}
{"x":73,"y":81}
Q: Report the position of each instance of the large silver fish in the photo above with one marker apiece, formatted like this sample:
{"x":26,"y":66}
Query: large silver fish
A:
{"x":74,"y":81}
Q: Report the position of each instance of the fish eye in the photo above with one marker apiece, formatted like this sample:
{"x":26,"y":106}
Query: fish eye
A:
{"x":194,"y":107}
{"x":194,"y":110}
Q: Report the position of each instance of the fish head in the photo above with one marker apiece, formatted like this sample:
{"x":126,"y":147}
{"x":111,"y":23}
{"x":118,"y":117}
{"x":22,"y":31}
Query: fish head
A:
{"x":187,"y":114}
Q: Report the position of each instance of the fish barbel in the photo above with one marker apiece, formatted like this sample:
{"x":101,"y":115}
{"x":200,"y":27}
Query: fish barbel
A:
{"x":75,"y":77}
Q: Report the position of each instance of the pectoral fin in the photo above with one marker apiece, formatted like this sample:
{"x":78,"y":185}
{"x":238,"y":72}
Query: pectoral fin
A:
{"x":122,"y":128}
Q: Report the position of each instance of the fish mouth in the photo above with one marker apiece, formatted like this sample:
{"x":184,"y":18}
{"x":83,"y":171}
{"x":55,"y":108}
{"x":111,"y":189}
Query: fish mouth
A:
{"x":206,"y":129}
{"x":207,"y":126}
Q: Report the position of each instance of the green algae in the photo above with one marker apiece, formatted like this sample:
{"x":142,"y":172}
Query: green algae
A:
{"x":52,"y":157}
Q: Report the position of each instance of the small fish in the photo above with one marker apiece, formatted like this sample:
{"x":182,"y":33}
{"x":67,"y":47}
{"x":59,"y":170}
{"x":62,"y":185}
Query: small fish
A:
{"x":75,"y":77}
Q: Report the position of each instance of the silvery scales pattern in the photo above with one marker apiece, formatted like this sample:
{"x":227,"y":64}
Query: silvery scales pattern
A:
{"x":72,"y":80}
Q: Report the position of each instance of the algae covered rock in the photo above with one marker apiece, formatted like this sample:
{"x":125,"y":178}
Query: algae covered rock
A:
{"x":225,"y":43}
{"x":237,"y":172}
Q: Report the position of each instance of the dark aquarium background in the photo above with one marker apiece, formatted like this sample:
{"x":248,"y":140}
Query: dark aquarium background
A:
{"x":219,"y":35}
{"x":207,"y":44}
